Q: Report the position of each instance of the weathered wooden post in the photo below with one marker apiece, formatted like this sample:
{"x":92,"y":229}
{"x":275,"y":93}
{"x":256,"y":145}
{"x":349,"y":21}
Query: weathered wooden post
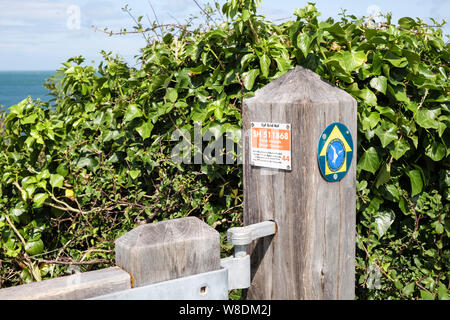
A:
{"x":312,"y":256}
{"x":168,"y":250}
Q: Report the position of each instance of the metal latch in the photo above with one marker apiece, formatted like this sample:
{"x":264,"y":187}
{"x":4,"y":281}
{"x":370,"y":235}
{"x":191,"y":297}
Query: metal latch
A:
{"x":213,"y":285}
{"x":238,"y":266}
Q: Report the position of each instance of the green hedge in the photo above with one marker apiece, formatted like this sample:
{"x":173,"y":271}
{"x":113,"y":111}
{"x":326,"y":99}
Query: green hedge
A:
{"x":82,"y":170}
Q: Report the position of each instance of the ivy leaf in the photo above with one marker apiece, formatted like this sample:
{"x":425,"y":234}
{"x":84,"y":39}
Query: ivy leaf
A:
{"x":387,"y":133}
{"x":34,"y":247}
{"x":436,"y":151}
{"x":56,"y":180}
{"x":134,"y":173}
{"x":413,"y":59}
{"x":416,"y":181}
{"x":398,"y":92}
{"x":88,"y":162}
{"x":383,"y":176}
{"x":383,"y":221}
{"x":171,"y":94}
{"x":39,"y":199}
{"x":349,"y":60}
{"x":400,"y":148}
{"x":369,"y":160}
{"x":132,"y":112}
{"x":427,"y":118}
{"x":379,"y":84}
{"x":395,"y":60}
{"x":368,"y":96}
{"x":145,"y":130}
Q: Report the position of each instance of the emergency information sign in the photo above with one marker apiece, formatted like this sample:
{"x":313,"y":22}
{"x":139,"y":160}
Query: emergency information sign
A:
{"x":270,"y":145}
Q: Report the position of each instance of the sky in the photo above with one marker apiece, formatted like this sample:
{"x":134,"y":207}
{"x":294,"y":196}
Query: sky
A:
{"x":40,"y":35}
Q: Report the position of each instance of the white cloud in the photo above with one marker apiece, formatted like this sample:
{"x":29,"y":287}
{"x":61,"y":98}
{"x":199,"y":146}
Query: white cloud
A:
{"x":32,"y":10}
{"x":14,"y":23}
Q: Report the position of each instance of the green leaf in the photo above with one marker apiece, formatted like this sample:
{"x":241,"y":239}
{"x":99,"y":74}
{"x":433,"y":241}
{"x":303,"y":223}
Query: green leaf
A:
{"x":56,"y":180}
{"x":34,"y":247}
{"x":132,"y":112}
{"x":39,"y":199}
{"x":350,"y":60}
{"x":427,"y":118}
{"x":443,"y":292}
{"x":145,"y":130}
{"x":413,"y":59}
{"x":249,"y":78}
{"x":406,"y":23}
{"x":368,"y":96}
{"x":369,"y":160}
{"x":425,"y":295}
{"x":379,"y":84}
{"x":383,"y":176}
{"x":303,"y":43}
{"x":264,"y":63}
{"x":395,"y":60}
{"x":134,"y":173}
{"x":436,"y":151}
{"x":30,"y":119}
{"x":218,"y":113}
{"x":408,"y":289}
{"x":398,"y":92}
{"x":416,"y":182}
{"x":371,"y":121}
{"x":392,"y":189}
{"x":386,"y":132}
{"x":171,"y":94}
{"x":400,"y":148}
{"x":88,"y":162}
{"x":383,"y":221}
{"x":425,"y":71}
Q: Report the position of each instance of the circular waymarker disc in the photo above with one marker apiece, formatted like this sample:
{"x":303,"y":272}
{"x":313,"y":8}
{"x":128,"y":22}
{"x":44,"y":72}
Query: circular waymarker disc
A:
{"x":335,"y":152}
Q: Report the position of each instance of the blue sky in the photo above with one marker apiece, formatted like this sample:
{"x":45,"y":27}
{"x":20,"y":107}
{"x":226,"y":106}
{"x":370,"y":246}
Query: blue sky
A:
{"x":39,"y":35}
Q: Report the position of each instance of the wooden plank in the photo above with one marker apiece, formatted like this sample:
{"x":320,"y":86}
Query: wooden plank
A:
{"x":312,"y":255}
{"x":77,"y":286}
{"x":168,"y":250}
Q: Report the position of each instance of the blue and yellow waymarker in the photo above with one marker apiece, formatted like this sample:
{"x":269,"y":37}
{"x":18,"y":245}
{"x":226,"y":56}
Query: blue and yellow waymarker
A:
{"x":335,"y":152}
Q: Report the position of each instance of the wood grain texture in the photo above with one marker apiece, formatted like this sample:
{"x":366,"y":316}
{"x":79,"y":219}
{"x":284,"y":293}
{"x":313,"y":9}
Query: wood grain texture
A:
{"x":312,"y":255}
{"x":78,"y":286}
{"x":168,"y":250}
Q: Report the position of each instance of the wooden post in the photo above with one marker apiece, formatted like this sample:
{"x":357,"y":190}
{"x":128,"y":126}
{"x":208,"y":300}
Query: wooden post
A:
{"x":168,"y":250}
{"x":312,"y":256}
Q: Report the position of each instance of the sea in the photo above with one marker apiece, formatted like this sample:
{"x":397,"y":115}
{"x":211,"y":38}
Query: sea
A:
{"x":18,"y":85}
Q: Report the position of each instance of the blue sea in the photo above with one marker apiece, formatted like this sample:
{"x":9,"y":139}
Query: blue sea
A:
{"x":17,"y":85}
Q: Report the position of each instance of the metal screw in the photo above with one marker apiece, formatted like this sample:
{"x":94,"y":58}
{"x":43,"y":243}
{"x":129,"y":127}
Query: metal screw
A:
{"x":203,"y":289}
{"x":324,"y":136}
{"x":335,"y":176}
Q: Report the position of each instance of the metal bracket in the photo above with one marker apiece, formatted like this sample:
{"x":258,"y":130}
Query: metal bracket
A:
{"x":213,"y":285}
{"x":239,"y":265}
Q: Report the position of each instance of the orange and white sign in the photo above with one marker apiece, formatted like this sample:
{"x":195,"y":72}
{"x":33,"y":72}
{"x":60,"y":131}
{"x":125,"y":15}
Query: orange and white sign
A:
{"x":270,"y":145}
